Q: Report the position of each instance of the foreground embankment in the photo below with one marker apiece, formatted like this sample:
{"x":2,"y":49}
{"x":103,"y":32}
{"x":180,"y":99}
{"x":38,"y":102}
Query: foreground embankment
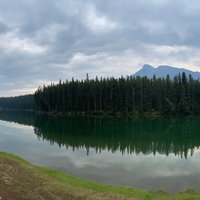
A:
{"x":21,"y":180}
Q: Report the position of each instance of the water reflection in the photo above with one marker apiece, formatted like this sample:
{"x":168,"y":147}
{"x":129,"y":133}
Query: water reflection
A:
{"x":179,"y":136}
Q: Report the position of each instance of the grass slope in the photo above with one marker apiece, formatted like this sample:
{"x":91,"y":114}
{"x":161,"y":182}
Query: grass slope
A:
{"x":21,"y":180}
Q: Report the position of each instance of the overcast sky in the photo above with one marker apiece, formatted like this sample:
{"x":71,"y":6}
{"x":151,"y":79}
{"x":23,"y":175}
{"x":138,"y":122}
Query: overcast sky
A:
{"x":42,"y":41}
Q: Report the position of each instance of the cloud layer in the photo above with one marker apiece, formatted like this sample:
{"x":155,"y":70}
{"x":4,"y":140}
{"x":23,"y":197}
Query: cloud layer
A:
{"x":43,"y":41}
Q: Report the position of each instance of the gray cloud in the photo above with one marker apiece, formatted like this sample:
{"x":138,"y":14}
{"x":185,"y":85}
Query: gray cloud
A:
{"x":43,"y":41}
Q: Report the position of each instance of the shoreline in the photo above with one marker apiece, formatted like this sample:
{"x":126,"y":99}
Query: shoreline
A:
{"x":103,"y":114}
{"x":45,"y":183}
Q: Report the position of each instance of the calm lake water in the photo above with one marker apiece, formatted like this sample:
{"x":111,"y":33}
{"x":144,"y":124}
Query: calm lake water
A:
{"x":148,"y":153}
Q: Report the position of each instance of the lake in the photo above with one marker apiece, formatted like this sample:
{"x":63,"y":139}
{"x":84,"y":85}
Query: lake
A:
{"x":148,"y":153}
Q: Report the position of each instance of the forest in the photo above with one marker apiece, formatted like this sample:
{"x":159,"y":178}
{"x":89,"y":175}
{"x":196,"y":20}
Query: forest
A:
{"x":124,"y":95}
{"x":130,"y":95}
{"x":24,"y":102}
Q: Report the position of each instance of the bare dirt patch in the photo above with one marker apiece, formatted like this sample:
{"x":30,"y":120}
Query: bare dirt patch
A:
{"x":20,"y":183}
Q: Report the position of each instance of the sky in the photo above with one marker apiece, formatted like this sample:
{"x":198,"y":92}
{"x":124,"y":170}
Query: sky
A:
{"x":42,"y":41}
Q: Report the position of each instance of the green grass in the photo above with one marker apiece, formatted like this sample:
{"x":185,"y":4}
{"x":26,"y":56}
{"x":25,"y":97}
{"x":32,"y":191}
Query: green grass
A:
{"x":86,"y":188}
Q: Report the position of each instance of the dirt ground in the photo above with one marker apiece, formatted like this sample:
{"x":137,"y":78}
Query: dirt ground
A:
{"x":20,"y":183}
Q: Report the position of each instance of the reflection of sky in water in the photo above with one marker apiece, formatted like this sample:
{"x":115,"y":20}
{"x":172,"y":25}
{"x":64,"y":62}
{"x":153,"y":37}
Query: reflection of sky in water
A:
{"x":171,"y":173}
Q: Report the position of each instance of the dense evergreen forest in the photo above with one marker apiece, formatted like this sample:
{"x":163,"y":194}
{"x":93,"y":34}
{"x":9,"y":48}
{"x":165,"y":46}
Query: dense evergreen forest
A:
{"x":25,"y":102}
{"x":121,"y":95}
{"x":130,"y":95}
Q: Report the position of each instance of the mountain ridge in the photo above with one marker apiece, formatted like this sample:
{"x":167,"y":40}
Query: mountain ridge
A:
{"x":163,"y":70}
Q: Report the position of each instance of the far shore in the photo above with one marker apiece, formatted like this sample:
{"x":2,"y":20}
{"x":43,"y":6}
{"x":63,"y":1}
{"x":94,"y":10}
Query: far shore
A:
{"x":103,"y":113}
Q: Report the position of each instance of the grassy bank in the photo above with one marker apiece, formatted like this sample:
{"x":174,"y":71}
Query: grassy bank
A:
{"x":21,"y":180}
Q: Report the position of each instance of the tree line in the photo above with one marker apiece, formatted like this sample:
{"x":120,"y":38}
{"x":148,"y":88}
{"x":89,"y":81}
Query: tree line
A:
{"x":24,"y":102}
{"x":121,"y":95}
{"x":124,"y":95}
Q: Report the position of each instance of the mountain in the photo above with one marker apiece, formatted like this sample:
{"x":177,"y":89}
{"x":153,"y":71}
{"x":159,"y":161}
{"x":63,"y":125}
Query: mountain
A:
{"x":163,"y":70}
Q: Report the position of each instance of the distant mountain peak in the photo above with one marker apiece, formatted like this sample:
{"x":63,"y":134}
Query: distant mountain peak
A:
{"x":163,"y":70}
{"x":146,"y":66}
